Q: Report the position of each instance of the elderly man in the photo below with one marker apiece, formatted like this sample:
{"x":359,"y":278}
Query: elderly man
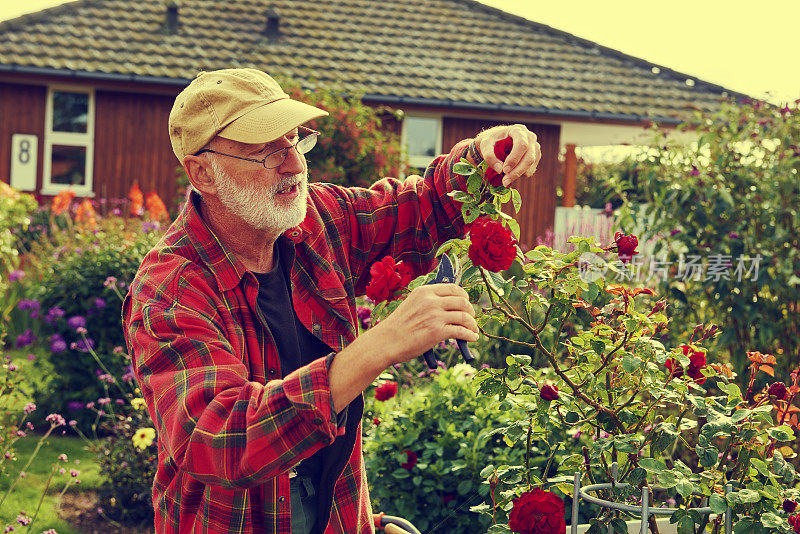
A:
{"x":241,"y":322}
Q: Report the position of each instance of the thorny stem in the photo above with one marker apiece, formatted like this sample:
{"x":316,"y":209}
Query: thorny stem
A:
{"x":550,"y":460}
{"x":501,"y":338}
{"x":528,"y":452}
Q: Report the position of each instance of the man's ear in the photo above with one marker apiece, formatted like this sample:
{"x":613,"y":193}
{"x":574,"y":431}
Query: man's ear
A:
{"x":197,"y":170}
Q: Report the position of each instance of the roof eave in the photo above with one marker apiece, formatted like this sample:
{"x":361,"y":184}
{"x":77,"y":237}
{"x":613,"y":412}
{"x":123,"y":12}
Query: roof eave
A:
{"x":533,"y":110}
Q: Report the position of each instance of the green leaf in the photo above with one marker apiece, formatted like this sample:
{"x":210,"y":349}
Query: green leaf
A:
{"x":514,"y":227}
{"x":717,"y":504}
{"x":747,"y":495}
{"x":474,"y":183}
{"x":486,"y":471}
{"x":618,"y":525}
{"x":781,"y":433}
{"x":685,"y":488}
{"x":464,"y":487}
{"x":464,"y":169}
{"x":470,"y":212}
{"x":771,"y":520}
{"x":708,"y":456}
{"x":686,"y":526}
{"x":517,"y":199}
{"x":636,"y":476}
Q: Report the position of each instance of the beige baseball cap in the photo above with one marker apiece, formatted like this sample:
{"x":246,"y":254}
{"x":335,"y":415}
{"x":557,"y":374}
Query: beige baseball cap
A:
{"x":244,"y":105}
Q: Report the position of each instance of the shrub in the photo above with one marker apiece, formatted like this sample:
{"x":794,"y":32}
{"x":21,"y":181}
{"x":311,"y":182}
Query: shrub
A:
{"x":79,"y":275}
{"x":425,"y":455}
{"x":355,"y":147}
{"x":733,"y":197}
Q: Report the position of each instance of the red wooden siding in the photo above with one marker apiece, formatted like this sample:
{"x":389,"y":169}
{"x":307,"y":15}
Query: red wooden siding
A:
{"x":21,"y":111}
{"x":132,"y":144}
{"x":538,"y":194}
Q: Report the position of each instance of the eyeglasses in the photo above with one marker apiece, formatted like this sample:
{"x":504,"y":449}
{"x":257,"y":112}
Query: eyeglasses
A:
{"x":275,"y":159}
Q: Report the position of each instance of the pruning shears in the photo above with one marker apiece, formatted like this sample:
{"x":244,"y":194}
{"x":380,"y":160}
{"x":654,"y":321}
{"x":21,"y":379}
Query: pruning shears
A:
{"x":446,"y":275}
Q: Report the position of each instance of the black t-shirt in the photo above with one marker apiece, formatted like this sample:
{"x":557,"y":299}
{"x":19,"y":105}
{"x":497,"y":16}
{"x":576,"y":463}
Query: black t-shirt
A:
{"x":296,"y":345}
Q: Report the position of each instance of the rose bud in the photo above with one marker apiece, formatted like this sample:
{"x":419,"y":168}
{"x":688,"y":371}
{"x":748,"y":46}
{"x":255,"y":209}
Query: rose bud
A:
{"x":626,"y":246}
{"x":789,"y":505}
{"x":777,"y":390}
{"x":548,"y":392}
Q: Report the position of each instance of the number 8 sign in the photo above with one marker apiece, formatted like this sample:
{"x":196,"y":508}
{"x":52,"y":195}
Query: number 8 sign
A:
{"x":24,"y":148}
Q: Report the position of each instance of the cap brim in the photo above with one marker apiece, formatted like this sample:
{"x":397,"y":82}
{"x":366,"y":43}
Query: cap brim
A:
{"x":270,"y":121}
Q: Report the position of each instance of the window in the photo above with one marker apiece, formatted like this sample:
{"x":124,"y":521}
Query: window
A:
{"x":422,"y":137}
{"x":69,"y":141}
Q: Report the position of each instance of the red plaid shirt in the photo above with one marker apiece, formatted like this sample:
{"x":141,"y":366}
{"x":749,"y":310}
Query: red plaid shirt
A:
{"x":229,"y":428}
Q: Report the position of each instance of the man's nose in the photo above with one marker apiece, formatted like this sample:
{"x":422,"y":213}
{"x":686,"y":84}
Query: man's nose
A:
{"x":295,"y":162}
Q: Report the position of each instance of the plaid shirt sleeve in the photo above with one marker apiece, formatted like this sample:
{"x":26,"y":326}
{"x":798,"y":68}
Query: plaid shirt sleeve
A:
{"x":403,"y":219}
{"x":218,"y":426}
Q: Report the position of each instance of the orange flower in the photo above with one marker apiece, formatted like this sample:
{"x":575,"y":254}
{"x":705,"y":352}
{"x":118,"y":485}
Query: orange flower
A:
{"x":85,"y":213}
{"x":155,"y":207}
{"x":763,"y":361}
{"x":62,"y":201}
{"x":137,"y":200}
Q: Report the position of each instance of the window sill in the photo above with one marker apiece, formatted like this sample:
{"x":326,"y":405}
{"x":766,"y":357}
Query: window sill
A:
{"x":83,"y":193}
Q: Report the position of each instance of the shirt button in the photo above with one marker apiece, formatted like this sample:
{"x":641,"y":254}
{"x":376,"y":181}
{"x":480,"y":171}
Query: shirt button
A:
{"x":316,"y":327}
{"x":273,"y":372}
{"x":281,"y":499}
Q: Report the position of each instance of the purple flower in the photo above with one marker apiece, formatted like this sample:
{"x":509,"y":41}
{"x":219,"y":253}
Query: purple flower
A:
{"x":28,"y":304}
{"x":13,"y":367}
{"x":84,"y":345}
{"x":99,"y":303}
{"x":15,"y":275}
{"x":608,"y":210}
{"x":150,"y":226}
{"x":733,"y":235}
{"x":675,"y":231}
{"x":364,"y":316}
{"x":31,"y":357}
{"x":128,"y":376}
{"x":116,"y":212}
{"x":53,"y":314}
{"x":76,"y":321}
{"x":26,"y":338}
{"x":694,"y":172}
{"x":74,"y":406}
{"x":57,"y":344}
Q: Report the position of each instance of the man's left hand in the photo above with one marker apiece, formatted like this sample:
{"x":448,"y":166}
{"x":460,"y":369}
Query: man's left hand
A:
{"x":525,"y":153}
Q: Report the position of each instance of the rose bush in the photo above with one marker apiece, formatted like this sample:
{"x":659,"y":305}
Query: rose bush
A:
{"x":671,"y":418}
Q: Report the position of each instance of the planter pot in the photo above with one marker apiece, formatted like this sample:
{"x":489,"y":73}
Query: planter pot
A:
{"x":639,"y":526}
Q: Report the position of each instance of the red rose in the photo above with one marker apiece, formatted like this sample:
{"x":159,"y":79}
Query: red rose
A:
{"x":697,"y":362}
{"x":794,"y":521}
{"x":385,"y":391}
{"x":549,"y":392}
{"x":493,"y":177}
{"x":789,"y":506}
{"x":411,"y":458}
{"x":376,"y":421}
{"x":626,"y":246}
{"x":537,"y":512}
{"x":778,"y":390}
{"x":386,"y":277}
{"x":493,"y":246}
{"x":501,"y":149}
{"x":675,"y":368}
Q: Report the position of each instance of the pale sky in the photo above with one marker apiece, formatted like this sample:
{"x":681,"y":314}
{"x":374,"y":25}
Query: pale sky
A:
{"x":750,"y":46}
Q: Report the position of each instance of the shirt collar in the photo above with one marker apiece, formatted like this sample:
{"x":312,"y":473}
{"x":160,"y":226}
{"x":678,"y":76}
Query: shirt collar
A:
{"x":227,"y":269}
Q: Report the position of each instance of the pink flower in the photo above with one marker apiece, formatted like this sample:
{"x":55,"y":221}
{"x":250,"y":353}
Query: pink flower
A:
{"x":55,"y":420}
{"x":30,"y":407}
{"x":62,"y":457}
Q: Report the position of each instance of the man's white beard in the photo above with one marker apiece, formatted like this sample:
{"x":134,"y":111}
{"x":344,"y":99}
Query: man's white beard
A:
{"x":257,"y":204}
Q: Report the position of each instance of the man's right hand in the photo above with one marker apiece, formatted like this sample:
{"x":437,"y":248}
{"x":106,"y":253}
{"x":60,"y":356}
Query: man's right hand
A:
{"x":429,"y":315}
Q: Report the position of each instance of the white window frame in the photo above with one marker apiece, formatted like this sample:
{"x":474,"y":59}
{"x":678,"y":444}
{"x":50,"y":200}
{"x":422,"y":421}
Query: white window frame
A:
{"x":70,"y":139}
{"x":423,"y":161}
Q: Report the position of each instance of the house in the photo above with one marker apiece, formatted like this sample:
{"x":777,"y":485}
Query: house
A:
{"x":86,"y":87}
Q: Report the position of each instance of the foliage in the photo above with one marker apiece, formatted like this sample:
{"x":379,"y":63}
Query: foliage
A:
{"x":14,"y":426}
{"x":355,"y":148}
{"x":733,"y":201}
{"x":76,"y":276}
{"x":449,"y":430}
{"x":667,"y":416}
